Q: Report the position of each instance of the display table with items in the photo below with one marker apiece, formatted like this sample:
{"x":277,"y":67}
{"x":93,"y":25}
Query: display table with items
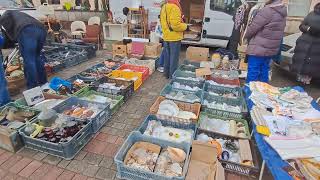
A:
{"x":285,"y":123}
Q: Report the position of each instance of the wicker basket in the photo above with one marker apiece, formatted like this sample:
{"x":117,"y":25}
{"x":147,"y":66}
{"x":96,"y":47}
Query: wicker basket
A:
{"x":195,"y":108}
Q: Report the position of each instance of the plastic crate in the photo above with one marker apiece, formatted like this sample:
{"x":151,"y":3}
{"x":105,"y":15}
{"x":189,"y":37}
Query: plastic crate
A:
{"x":251,"y":172}
{"x":134,"y":68}
{"x":195,"y":108}
{"x":212,"y":116}
{"x":98,"y":121}
{"x":90,"y":48}
{"x":126,"y":92}
{"x":192,"y":84}
{"x":115,"y":104}
{"x":224,"y":74}
{"x":191,"y":63}
{"x":168,"y":123}
{"x":186,"y":76}
{"x":117,"y":64}
{"x":224,"y":113}
{"x":22,"y":101}
{"x":128,"y":76}
{"x":125,"y":172}
{"x":187,"y":68}
{"x":10,"y":139}
{"x":168,"y":89}
{"x":66,"y":150}
{"x":222,"y":90}
{"x":151,"y":64}
{"x":72,"y":58}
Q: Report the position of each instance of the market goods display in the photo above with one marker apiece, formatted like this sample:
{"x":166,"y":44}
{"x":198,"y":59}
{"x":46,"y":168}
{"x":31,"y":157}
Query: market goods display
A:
{"x":186,"y":85}
{"x":171,"y":162}
{"x":157,"y":130}
{"x":289,"y":122}
{"x":237,"y":151}
{"x":235,"y":128}
{"x":14,"y":117}
{"x":61,"y":129}
{"x":181,"y":95}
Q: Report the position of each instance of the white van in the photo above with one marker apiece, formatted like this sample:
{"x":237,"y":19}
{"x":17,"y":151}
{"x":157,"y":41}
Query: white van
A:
{"x":217,"y":21}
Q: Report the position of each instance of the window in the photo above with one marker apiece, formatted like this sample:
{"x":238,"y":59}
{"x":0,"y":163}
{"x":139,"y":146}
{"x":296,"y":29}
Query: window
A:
{"x":227,"y":6}
{"x":298,"y":8}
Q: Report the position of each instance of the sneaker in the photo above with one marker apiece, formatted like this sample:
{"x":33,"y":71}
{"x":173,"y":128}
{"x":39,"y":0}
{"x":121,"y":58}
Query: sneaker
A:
{"x":160,"y":69}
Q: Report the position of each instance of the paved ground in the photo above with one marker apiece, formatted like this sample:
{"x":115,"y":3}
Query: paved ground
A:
{"x":95,"y":161}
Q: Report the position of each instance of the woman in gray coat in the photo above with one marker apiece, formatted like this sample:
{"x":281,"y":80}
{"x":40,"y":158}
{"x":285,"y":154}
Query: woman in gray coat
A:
{"x":306,"y":58}
{"x":265,"y":34}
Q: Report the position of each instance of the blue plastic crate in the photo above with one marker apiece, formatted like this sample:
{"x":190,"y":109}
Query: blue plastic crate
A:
{"x":167,"y":123}
{"x":192,"y":84}
{"x":125,"y":172}
{"x":66,"y":150}
{"x":168,"y":89}
{"x":224,"y":113}
{"x":98,"y":121}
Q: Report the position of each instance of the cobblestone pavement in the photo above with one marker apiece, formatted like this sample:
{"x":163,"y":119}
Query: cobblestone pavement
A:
{"x":95,"y":160}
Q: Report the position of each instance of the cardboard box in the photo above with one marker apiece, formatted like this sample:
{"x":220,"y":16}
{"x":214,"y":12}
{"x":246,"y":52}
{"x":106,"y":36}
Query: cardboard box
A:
{"x":10,"y":140}
{"x":152,"y":50}
{"x":204,"y":164}
{"x":119,"y":49}
{"x":129,"y":49}
{"x":197,"y":54}
{"x":196,"y":11}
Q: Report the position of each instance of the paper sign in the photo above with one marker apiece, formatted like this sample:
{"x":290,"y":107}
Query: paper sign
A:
{"x":203,"y":72}
{"x":33,"y":96}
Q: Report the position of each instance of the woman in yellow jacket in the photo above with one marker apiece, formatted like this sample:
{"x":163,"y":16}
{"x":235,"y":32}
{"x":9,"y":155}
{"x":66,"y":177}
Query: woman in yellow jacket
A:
{"x":172,"y":28}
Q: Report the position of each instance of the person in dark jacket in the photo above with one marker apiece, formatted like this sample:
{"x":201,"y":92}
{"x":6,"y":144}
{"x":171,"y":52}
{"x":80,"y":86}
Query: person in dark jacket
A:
{"x":306,"y":58}
{"x":265,"y":34}
{"x":30,"y":34}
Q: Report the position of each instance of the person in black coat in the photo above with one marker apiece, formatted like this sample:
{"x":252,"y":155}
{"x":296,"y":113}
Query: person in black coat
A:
{"x":306,"y":58}
{"x":30,"y":34}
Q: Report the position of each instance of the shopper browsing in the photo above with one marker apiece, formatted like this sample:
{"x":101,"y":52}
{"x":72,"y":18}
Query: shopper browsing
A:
{"x":306,"y":58}
{"x":172,"y":27}
{"x":30,"y":34}
{"x":265,"y":34}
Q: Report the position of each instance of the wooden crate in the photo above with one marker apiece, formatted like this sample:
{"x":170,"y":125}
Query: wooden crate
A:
{"x":119,"y":49}
{"x":152,"y":50}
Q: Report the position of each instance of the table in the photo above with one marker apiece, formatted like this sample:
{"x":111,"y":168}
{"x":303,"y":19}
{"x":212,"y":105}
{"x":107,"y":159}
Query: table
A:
{"x":269,"y":155}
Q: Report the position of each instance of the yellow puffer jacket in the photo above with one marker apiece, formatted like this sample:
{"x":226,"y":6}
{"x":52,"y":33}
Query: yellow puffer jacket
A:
{"x":171,"y":16}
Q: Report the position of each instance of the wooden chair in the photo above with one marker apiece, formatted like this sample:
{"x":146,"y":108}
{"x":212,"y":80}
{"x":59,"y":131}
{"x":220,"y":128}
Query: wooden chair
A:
{"x":93,"y":35}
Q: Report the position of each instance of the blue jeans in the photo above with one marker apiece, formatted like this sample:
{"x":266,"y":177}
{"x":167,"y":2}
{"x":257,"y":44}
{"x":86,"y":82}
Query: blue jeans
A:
{"x":161,"y":60}
{"x":171,"y":57}
{"x":31,"y":41}
{"x":4,"y":94}
{"x":258,"y":68}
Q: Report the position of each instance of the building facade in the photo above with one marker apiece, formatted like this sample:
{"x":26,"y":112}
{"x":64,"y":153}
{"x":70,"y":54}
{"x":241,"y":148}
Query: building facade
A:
{"x":297,"y":10}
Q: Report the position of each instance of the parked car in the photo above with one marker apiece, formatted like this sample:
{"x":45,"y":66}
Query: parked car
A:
{"x":24,"y":6}
{"x":287,"y":51}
